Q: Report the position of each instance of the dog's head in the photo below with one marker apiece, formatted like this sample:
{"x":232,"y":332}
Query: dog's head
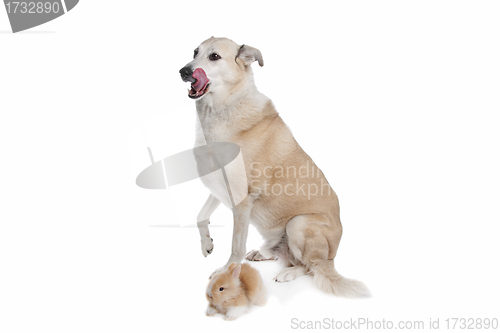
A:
{"x":218,"y":66}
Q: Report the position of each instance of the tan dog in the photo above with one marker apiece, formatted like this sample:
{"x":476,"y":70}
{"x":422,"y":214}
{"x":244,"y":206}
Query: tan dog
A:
{"x":287,"y":198}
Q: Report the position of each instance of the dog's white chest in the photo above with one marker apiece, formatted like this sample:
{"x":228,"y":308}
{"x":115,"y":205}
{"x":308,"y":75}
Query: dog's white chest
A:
{"x":226,"y":179}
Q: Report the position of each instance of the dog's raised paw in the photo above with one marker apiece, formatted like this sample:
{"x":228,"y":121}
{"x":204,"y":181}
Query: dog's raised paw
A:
{"x":207,"y":246}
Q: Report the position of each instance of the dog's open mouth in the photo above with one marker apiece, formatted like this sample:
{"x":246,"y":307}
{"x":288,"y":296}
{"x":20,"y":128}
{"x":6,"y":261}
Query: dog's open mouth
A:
{"x":200,"y":86}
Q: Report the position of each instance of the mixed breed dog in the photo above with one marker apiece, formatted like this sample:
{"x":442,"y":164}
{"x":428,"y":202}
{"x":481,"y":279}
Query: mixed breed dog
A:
{"x":301,"y":230}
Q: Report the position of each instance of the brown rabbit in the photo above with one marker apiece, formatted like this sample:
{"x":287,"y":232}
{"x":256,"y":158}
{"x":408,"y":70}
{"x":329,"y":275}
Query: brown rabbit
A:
{"x":233,"y":291}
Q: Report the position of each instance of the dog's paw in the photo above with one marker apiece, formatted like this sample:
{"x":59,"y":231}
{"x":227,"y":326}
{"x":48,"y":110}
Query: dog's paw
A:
{"x":289,"y":274}
{"x":255,"y":255}
{"x":285,"y":277}
{"x":207,"y":246}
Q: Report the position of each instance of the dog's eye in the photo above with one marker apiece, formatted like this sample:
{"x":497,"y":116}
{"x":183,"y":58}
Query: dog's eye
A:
{"x":214,"y":56}
{"x":221,"y":289}
{"x":195,"y":53}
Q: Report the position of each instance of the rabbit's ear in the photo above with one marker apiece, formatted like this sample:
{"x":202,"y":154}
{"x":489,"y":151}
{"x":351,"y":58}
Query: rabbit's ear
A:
{"x":236,"y":272}
{"x":232,"y":266}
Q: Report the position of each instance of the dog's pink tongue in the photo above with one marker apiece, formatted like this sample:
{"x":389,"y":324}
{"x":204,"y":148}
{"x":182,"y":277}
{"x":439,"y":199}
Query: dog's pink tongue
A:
{"x":201,"y":79}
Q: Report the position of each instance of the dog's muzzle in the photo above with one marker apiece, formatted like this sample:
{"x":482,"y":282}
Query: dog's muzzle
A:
{"x":198,"y":79}
{"x":187,"y":74}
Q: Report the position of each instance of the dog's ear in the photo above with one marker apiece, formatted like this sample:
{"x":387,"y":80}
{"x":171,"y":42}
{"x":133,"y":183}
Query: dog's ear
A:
{"x":250,"y":54}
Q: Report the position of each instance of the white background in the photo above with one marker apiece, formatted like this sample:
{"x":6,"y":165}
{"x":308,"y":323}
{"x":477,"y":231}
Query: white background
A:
{"x":397,"y":102}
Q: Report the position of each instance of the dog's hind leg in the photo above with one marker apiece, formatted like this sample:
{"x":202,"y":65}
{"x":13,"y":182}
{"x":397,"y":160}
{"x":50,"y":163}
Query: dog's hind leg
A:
{"x":203,"y":221}
{"x":297,"y":234}
{"x":314,"y":239}
{"x":274,"y":245}
{"x":310,"y":238}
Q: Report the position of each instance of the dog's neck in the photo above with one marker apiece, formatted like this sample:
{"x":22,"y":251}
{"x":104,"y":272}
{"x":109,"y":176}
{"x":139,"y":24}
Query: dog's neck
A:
{"x":223,"y":116}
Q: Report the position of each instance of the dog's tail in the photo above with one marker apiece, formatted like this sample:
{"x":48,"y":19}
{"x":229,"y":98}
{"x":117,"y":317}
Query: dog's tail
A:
{"x":329,"y":280}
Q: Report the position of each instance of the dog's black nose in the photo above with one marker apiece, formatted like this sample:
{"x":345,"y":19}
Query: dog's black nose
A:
{"x":187,"y":74}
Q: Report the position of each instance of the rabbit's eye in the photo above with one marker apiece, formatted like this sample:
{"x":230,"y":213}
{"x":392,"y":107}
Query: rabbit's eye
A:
{"x":221,"y":289}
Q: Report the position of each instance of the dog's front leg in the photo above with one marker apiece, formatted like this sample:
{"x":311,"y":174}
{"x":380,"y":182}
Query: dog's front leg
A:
{"x":241,"y":215}
{"x":203,"y":221}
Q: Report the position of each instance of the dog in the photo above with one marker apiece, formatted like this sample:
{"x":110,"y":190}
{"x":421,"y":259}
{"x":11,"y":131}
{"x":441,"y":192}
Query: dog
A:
{"x":297,"y":213}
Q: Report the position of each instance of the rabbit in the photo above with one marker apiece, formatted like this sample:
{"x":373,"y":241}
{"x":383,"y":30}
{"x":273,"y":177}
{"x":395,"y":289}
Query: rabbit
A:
{"x":233,"y":291}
